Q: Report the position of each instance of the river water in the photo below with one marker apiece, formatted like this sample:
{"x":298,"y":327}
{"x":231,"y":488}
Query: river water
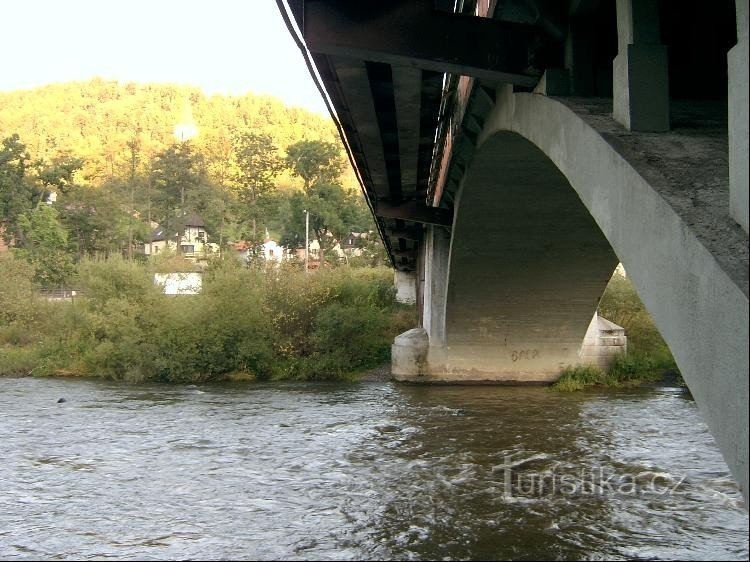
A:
{"x":359,"y":471}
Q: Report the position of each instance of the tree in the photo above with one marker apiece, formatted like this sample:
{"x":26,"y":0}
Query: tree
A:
{"x":175,"y":171}
{"x":98,"y":221}
{"x":45,"y":246}
{"x":258,"y":163}
{"x":57,"y":176}
{"x":16,"y":193}
{"x":316,"y":162}
{"x":332,"y":211}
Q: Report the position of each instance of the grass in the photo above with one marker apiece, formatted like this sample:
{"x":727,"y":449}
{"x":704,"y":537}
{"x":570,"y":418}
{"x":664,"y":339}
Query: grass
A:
{"x":648,"y":355}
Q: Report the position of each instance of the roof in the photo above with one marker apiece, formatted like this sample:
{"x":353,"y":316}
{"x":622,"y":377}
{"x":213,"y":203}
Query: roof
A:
{"x":193,"y":220}
{"x":159,"y":234}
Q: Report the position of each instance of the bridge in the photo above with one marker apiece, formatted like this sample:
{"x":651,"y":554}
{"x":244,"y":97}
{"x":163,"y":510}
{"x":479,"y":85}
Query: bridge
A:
{"x":512,"y":152}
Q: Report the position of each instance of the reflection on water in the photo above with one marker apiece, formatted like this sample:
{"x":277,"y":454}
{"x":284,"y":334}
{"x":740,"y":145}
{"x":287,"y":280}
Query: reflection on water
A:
{"x":372,"y":470}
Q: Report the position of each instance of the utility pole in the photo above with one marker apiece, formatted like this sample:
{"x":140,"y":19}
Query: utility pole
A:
{"x":307,"y":239}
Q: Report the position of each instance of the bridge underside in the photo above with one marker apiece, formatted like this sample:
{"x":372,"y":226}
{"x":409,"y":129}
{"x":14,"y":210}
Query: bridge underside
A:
{"x":527,"y":267}
{"x":510,"y":202}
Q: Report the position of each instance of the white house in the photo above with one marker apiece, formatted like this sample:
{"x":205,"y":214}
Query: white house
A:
{"x":187,"y":283}
{"x":191,"y":241}
{"x":272,"y":252}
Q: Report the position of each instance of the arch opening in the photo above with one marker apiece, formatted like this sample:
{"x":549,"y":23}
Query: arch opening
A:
{"x":528,"y":265}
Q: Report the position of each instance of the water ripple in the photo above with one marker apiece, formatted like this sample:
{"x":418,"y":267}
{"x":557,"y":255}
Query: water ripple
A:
{"x":303,"y":471}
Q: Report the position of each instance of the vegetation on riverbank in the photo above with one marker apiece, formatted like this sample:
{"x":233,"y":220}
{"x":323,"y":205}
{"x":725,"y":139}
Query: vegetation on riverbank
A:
{"x":648,"y":355}
{"x":246,"y":323}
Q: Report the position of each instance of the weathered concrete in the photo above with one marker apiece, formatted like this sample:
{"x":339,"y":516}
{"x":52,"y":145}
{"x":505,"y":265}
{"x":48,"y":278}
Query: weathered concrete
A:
{"x":406,"y":286}
{"x":604,"y":341}
{"x":409,"y":354}
{"x":528,"y":266}
{"x":689,"y":265}
{"x":738,"y":119}
{"x":436,"y":246}
{"x":640,"y":70}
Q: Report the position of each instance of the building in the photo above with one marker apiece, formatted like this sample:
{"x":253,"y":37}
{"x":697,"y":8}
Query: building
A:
{"x":190,"y":241}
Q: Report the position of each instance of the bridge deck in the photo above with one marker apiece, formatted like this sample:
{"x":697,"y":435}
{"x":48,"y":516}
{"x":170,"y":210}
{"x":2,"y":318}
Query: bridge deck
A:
{"x":687,"y":166}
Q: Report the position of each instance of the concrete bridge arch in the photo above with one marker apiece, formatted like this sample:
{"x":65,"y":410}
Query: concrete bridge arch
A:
{"x":421,"y":90}
{"x":691,"y":273}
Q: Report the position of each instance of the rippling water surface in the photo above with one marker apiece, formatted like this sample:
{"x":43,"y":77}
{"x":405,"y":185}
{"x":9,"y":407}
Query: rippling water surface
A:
{"x":369,"y":470}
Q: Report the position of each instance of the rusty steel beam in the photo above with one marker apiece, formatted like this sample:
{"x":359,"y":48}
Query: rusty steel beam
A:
{"x":355,"y":88}
{"x":415,"y":34}
{"x":414,"y":211}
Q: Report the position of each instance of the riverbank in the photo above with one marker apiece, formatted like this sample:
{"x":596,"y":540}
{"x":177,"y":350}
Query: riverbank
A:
{"x":648,"y":358}
{"x":250,"y":325}
{"x":245,"y":324}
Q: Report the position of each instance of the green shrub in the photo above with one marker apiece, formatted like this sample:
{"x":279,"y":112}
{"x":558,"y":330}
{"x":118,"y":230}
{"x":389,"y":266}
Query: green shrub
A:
{"x":621,"y":304}
{"x":246,"y":323}
{"x":578,"y":378}
{"x":15,"y":361}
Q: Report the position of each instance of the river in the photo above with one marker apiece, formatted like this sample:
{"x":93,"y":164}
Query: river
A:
{"x":359,"y":471}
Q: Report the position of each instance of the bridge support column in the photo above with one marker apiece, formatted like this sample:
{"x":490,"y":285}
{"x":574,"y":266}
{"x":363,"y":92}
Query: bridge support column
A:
{"x":640,"y":73}
{"x":437,"y":264}
{"x":421,"y":351}
{"x":737,"y":60}
{"x":406,"y":286}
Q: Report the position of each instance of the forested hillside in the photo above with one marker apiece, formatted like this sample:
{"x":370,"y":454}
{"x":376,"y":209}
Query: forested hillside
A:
{"x":113,"y":159}
{"x":107,"y":123}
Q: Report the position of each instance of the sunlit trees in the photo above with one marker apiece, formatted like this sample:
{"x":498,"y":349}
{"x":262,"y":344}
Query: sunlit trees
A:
{"x":175,"y":173}
{"x":16,"y":194}
{"x":107,"y":151}
{"x":316,"y":162}
{"x":258,"y":164}
{"x":334,"y":212}
{"x":45,"y":246}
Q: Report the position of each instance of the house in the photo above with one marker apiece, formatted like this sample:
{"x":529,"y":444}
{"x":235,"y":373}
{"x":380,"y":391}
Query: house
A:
{"x":180,"y":283}
{"x":190,"y":241}
{"x":270,"y":251}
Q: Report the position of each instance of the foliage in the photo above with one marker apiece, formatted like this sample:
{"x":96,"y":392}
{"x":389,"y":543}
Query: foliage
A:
{"x":648,"y":355}
{"x":578,"y":378}
{"x":96,"y":222}
{"x":112,"y":126}
{"x":45,"y":246}
{"x":107,"y":150}
{"x":315,"y":162}
{"x":19,"y":312}
{"x":16,"y":194}
{"x":250,"y":323}
{"x":621,"y":304}
{"x":176,"y":172}
{"x":58,"y":176}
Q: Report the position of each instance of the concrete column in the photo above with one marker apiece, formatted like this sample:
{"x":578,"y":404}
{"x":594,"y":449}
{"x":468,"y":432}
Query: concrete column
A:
{"x":406,"y":286}
{"x":737,"y":60}
{"x":436,"y":284}
{"x":419,"y":351}
{"x":640,"y":70}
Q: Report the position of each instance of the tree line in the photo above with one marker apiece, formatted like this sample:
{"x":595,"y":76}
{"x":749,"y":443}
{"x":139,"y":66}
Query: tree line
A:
{"x":109,"y":155}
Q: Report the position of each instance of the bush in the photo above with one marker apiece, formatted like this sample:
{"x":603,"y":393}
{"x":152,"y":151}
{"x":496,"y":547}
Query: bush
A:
{"x":578,"y":378}
{"x":621,"y":304}
{"x":25,"y":318}
{"x":245,"y":323}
